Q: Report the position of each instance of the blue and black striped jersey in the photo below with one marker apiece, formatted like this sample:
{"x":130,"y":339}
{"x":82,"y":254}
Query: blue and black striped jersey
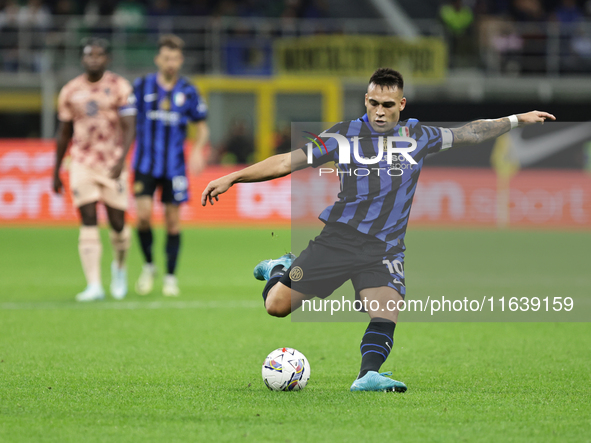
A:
{"x":162,"y":117}
{"x":376,"y":198}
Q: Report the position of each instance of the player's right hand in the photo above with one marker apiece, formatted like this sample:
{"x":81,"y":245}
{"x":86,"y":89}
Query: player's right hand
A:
{"x":116,"y":170}
{"x":215,"y":188}
{"x":57,"y":184}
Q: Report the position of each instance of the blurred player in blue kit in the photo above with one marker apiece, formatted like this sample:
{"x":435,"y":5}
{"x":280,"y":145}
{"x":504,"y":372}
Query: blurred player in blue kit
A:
{"x":363,"y":236}
{"x":166,"y":104}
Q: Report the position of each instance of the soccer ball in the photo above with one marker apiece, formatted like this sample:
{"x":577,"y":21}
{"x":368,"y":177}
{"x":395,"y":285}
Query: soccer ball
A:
{"x":286,"y":369}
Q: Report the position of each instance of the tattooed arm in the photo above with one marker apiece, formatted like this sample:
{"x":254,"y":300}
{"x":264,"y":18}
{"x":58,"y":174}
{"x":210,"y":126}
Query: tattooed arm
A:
{"x":482,"y":130}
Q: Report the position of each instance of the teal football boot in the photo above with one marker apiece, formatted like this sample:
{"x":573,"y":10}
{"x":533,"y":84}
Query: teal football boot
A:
{"x":264,"y":268}
{"x":372,"y":381}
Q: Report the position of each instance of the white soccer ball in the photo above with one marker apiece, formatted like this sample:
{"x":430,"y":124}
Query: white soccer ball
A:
{"x":286,"y":369}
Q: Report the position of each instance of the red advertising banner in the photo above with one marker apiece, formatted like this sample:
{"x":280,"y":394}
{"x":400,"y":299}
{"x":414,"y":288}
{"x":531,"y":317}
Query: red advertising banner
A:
{"x":445,"y":196}
{"x":26,"y":196}
{"x":549,"y":198}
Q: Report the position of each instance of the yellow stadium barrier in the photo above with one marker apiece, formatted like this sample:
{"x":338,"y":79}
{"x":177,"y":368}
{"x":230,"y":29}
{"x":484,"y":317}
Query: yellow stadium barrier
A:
{"x":265,"y":90}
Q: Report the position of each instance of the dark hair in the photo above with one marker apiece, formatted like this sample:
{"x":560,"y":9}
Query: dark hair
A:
{"x":387,"y":77}
{"x":95,"y":41}
{"x":170,"y":41}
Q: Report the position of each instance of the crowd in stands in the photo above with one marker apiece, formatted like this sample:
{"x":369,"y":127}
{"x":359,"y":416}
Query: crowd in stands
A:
{"x":517,"y":31}
{"x":566,"y":11}
{"x":505,"y":27}
{"x":42,"y":11}
{"x":459,"y":14}
{"x":45,"y":20}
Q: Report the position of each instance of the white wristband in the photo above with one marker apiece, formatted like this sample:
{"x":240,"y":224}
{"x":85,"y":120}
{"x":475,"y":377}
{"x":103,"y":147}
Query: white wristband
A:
{"x":514,"y":121}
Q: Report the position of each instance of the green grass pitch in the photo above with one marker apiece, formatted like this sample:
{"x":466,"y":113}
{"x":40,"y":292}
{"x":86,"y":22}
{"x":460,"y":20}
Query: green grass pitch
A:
{"x":152,"y":370}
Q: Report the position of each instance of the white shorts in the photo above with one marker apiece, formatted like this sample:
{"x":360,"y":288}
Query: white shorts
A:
{"x":89,"y":186}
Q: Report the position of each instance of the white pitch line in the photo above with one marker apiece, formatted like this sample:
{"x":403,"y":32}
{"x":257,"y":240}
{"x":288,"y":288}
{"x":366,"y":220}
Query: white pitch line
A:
{"x":133,"y":305}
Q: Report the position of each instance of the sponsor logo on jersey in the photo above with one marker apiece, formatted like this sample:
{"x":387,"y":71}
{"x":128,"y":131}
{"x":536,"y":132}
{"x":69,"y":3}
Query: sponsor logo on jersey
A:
{"x":79,"y":96}
{"x":168,"y":117}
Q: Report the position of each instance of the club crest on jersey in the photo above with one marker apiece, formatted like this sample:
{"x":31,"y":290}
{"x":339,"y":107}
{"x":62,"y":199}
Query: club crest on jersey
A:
{"x":138,"y":187}
{"x":296,"y":274}
{"x":179,"y":99}
{"x":164,"y":104}
{"x":92,"y":108}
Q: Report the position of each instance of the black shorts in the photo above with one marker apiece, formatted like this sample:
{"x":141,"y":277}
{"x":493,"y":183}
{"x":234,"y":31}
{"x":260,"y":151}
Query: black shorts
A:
{"x":342,"y":253}
{"x":172,"y":191}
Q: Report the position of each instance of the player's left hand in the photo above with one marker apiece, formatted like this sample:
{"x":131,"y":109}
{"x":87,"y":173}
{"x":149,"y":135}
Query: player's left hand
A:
{"x":117,"y":169}
{"x":197,"y":163}
{"x":529,"y":118}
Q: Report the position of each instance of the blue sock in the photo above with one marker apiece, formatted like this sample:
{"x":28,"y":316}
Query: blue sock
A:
{"x":275,"y":275}
{"x":146,"y":239}
{"x":173,"y":244}
{"x":376,"y":345}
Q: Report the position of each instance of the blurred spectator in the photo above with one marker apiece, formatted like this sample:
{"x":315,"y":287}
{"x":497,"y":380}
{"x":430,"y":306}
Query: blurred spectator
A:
{"x":63,"y":13}
{"x":568,"y":12}
{"x":161,"y":8}
{"x":8,"y":11}
{"x":239,"y":146}
{"x":492,"y":7}
{"x":578,"y":59}
{"x":528,"y":11}
{"x":507,"y":45}
{"x":161,"y":17}
{"x":249,"y":8}
{"x":33,"y":20}
{"x":34,"y":15}
{"x":456,"y":17}
{"x":9,"y":35}
{"x":199,"y":8}
{"x":98,"y":9}
{"x":64,"y":8}
{"x":63,"y":19}
{"x":283,"y":138}
{"x":315,"y":9}
{"x":291,"y":9}
{"x":274,"y":9}
{"x":129,"y":14}
{"x":572,"y":49}
{"x":226,"y":8}
{"x":458,"y":21}
{"x":532,"y":17}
